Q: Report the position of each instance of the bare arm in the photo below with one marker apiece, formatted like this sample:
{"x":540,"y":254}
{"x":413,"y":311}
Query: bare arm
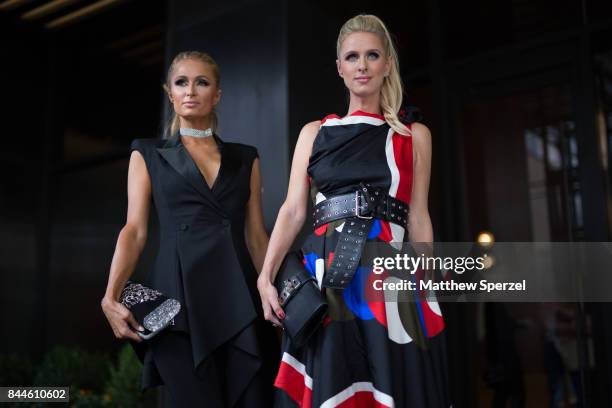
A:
{"x":130,"y":244}
{"x":419,"y":226}
{"x":289,"y":222}
{"x":255,"y":231}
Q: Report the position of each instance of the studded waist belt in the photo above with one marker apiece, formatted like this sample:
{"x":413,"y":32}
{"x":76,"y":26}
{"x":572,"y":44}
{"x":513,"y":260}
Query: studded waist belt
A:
{"x":359,"y":209}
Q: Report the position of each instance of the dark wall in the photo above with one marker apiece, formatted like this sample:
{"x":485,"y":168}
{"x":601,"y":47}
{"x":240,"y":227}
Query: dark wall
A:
{"x":20,"y":180}
{"x":74,"y":101}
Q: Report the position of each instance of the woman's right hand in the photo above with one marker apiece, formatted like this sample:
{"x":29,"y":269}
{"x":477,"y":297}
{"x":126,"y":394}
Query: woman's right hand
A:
{"x":273,"y":312}
{"x":122,"y":321}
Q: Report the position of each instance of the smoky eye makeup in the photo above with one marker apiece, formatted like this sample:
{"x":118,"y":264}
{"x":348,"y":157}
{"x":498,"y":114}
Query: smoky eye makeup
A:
{"x":351,"y":56}
{"x":180,"y":81}
{"x":373,"y":55}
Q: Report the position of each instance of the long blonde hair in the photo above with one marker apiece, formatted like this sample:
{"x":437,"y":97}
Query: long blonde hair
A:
{"x":391,"y":93}
{"x":174,"y":124}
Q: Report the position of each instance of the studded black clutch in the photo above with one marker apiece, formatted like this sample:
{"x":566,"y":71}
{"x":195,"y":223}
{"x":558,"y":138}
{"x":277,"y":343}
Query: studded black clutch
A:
{"x":153,"y":310}
{"x":301,"y":300}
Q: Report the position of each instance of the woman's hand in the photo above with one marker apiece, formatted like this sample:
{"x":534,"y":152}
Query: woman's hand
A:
{"x":121,"y":320}
{"x":273,"y":312}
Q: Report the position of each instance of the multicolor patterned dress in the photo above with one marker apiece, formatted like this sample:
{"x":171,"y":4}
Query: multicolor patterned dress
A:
{"x":368,"y":353}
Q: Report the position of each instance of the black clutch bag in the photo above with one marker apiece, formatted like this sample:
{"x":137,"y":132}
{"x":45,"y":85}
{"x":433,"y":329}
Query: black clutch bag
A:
{"x":300,"y":298}
{"x":150,"y":308}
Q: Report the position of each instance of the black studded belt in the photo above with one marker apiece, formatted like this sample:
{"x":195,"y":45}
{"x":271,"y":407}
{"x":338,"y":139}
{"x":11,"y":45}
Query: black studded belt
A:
{"x":359,"y":209}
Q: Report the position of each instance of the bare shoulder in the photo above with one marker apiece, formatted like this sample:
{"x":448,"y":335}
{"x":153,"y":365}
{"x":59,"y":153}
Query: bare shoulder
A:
{"x":308,"y":134}
{"x":420,"y":133}
{"x":421,"y":141}
{"x":311,"y":129}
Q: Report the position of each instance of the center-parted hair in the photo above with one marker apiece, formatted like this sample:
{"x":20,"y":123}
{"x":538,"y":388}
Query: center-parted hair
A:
{"x":391,"y":93}
{"x":174,"y":125}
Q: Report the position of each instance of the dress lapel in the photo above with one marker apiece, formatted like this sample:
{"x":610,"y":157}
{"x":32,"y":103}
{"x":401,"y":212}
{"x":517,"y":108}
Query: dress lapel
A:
{"x":230,"y":166}
{"x":175,"y":153}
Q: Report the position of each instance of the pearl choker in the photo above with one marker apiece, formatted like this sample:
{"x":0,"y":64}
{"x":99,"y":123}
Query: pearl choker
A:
{"x":195,"y":132}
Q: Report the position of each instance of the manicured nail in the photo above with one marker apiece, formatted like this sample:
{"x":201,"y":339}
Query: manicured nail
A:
{"x":140,"y":328}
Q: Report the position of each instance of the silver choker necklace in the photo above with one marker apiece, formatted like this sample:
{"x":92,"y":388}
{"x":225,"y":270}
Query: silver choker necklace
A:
{"x":195,"y":132}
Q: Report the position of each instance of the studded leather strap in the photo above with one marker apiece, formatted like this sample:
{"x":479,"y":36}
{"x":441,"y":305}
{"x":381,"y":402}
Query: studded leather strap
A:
{"x":366,"y":202}
{"x":359,"y":210}
{"x":348,"y":253}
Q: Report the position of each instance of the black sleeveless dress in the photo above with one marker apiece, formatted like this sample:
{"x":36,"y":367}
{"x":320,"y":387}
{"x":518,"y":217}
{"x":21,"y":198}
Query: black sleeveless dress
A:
{"x":203,"y":262}
{"x":368,"y":353}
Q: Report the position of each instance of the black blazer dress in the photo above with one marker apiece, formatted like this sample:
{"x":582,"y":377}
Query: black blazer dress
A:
{"x":203,"y":260}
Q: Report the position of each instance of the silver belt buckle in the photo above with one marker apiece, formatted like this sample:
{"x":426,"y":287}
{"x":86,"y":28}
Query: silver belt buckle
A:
{"x":363,"y":217}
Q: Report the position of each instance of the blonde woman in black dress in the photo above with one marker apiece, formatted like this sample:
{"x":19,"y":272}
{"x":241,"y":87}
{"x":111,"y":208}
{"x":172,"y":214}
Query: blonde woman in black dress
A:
{"x":207,"y":193}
